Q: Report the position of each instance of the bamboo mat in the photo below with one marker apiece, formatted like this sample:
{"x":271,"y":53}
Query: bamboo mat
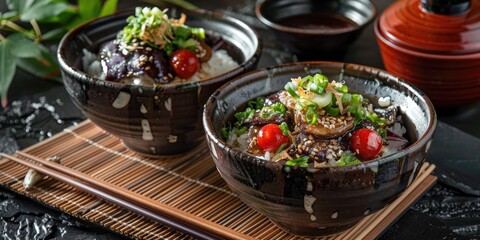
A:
{"x":187,"y":182}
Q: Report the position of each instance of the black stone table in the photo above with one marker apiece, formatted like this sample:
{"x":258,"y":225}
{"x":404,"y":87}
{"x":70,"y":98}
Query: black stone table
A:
{"x":450,"y":210}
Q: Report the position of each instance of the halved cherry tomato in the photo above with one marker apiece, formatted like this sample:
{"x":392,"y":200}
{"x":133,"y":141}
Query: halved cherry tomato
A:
{"x":366,"y":144}
{"x":185,"y":63}
{"x":270,"y":137}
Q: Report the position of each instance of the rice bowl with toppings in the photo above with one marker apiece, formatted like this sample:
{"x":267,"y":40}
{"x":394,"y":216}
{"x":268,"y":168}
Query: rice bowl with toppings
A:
{"x":146,"y":91}
{"x":159,"y":50}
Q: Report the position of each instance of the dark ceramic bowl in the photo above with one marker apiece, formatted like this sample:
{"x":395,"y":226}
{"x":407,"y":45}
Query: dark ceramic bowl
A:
{"x":316,"y":30}
{"x":341,"y":196}
{"x":156,"y":120}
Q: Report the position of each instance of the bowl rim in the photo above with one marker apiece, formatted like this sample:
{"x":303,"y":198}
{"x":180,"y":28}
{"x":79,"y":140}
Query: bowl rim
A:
{"x":282,"y":28}
{"x":421,"y":141}
{"x":381,"y":38}
{"x":90,"y":79}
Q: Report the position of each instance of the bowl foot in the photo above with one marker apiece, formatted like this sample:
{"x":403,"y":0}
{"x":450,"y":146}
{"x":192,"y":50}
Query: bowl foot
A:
{"x":158,"y":150}
{"x":307,"y":231}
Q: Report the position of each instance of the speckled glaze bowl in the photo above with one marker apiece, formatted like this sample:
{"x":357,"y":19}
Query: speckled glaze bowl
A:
{"x":160,"y":120}
{"x":321,"y":42}
{"x":339,"y":196}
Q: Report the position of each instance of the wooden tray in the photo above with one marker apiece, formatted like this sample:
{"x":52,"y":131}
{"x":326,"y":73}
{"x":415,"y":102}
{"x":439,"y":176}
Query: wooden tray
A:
{"x":187,"y":182}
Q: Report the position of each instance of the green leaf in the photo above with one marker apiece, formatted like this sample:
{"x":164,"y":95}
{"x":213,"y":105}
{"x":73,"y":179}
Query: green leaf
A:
{"x":44,"y":9}
{"x":8,"y":15}
{"x":7,"y":68}
{"x":64,"y":18}
{"x":109,"y":7}
{"x":88,"y":9}
{"x":55,"y":34}
{"x":43,"y":66}
{"x":19,"y":5}
{"x":24,"y":47}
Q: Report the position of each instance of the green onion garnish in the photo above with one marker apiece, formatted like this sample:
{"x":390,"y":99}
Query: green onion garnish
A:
{"x":301,"y":162}
{"x":284,"y":127}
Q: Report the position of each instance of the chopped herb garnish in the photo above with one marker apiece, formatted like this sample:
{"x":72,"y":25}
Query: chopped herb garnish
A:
{"x":382,"y":132}
{"x":247,"y":114}
{"x":347,"y":159}
{"x":311,"y":115}
{"x":284,"y":127}
{"x":301,"y":162}
{"x":240,"y":131}
{"x":257,"y":103}
{"x":334,"y":111}
{"x":278,"y":108}
{"x":226,"y":131}
{"x":155,"y":28}
{"x":280,"y":148}
{"x":268,"y":112}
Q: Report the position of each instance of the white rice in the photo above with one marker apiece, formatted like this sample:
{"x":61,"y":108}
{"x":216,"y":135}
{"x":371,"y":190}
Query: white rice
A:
{"x":219,"y":63}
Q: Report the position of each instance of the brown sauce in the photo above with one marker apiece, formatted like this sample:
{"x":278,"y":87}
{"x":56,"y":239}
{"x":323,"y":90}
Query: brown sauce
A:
{"x":317,"y":20}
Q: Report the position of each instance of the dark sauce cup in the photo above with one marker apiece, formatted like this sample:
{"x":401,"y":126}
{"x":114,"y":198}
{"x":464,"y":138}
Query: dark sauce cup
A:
{"x":316,"y":30}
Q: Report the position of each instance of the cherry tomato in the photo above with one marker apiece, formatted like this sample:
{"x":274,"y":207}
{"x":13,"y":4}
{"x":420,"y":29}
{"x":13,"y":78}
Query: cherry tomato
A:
{"x":366,"y":144}
{"x":185,"y":63}
{"x":270,"y":137}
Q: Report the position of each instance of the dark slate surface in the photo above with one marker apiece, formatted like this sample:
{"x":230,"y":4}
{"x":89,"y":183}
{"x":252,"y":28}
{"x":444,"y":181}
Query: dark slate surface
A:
{"x":449,"y":211}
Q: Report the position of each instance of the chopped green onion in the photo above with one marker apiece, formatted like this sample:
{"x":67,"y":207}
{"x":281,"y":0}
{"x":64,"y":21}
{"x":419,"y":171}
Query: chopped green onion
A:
{"x":190,"y":44}
{"x":257,"y":103}
{"x":199,"y":32}
{"x":291,"y":87}
{"x":347,"y":159}
{"x":382,"y":132}
{"x":306,"y":103}
{"x":333,"y":111}
{"x":241,"y":131}
{"x":266,"y":113}
{"x":226,"y":131}
{"x":311,"y":116}
{"x":247,"y":114}
{"x":342,"y":88}
{"x":183,"y":32}
{"x":284,"y":127}
{"x":301,"y":162}
{"x":278,"y":108}
{"x":280,"y":148}
{"x":346,"y":97}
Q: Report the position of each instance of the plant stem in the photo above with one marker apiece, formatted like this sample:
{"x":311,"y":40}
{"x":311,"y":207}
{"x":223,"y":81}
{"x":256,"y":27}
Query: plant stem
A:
{"x":14,"y":26}
{"x":2,"y":37}
{"x":36,"y":28}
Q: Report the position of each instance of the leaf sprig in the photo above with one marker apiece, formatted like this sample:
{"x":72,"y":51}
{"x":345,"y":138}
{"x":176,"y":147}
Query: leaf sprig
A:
{"x":28,"y":24}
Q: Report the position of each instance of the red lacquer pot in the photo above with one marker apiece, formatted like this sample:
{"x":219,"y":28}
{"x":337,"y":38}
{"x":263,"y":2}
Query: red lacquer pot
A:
{"x":435,"y":45}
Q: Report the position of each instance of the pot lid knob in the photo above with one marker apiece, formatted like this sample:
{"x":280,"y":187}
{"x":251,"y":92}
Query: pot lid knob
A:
{"x":447,"y":7}
{"x":446,"y":27}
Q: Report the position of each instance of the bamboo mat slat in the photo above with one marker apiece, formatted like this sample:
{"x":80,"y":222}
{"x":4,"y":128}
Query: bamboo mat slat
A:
{"x":188,"y":182}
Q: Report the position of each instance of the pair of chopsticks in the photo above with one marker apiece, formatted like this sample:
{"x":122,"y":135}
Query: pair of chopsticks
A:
{"x":157,"y":211}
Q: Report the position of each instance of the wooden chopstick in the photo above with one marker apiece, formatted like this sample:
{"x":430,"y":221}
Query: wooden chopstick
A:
{"x":175,"y":218}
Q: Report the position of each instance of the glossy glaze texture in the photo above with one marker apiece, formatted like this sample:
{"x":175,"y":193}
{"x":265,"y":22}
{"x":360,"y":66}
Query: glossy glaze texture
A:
{"x":323,"y":43}
{"x":438,"y":53}
{"x":339,"y":196}
{"x":160,"y":120}
{"x":409,"y":25}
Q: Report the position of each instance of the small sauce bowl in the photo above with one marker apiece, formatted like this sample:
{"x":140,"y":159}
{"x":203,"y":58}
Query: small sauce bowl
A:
{"x":316,"y":30}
